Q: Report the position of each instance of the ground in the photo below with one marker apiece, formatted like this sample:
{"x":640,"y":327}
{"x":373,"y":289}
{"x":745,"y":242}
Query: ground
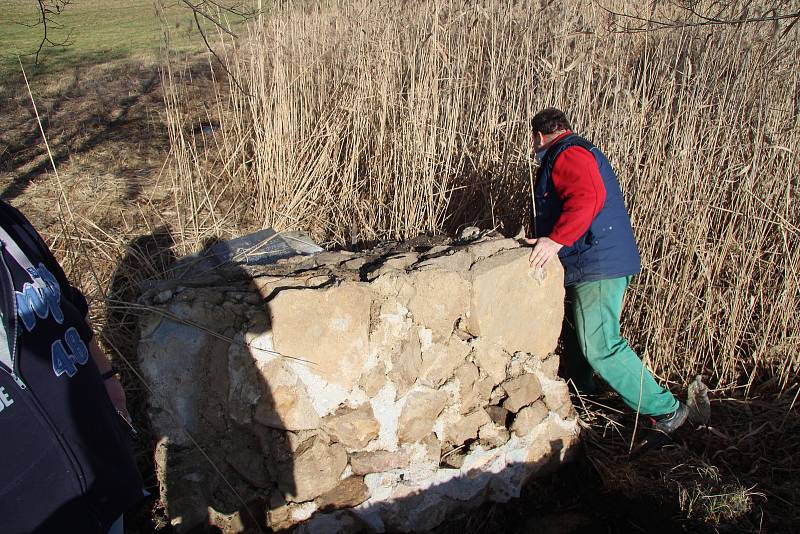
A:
{"x":100,"y":103}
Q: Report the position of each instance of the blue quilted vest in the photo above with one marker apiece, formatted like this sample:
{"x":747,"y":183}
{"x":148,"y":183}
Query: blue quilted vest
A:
{"x":608,"y":248}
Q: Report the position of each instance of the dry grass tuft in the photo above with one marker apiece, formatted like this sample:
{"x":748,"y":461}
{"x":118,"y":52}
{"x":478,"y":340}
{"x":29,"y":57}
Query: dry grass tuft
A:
{"x":739,"y":473}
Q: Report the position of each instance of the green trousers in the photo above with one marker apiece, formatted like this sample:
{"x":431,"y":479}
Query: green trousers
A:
{"x":593,"y":343}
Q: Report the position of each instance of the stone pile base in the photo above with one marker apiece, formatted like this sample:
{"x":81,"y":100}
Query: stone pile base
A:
{"x":346,"y":392}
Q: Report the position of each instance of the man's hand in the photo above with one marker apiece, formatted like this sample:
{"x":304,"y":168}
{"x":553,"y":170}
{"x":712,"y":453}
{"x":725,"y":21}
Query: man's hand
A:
{"x":544,"y":248}
{"x":117,"y":395}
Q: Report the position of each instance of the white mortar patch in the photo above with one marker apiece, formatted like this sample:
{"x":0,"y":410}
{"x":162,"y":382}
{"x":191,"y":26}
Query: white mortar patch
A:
{"x":347,"y":473}
{"x":492,"y":461}
{"x":303,"y":511}
{"x":387,"y":413}
{"x":380,"y":486}
{"x":425,"y":338}
{"x":325,"y":397}
{"x":260,"y":346}
{"x":451,"y":412}
{"x":422,"y":468}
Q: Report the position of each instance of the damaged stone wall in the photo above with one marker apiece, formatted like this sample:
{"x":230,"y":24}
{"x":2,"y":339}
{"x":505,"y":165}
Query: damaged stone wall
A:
{"x":377,"y":391}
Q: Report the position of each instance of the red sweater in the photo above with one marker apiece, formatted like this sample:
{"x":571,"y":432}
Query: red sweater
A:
{"x":578,"y":184}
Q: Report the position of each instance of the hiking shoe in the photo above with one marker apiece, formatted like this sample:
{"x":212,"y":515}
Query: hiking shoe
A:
{"x":670,"y":422}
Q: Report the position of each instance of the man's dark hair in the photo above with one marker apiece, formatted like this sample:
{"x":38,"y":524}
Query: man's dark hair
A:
{"x":549,"y":120}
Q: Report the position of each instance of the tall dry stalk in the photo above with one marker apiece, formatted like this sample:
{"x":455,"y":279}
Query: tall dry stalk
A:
{"x":387,"y":120}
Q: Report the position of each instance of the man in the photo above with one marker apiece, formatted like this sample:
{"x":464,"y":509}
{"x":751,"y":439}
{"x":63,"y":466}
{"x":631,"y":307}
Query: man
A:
{"x":580,"y":215}
{"x":65,"y":460}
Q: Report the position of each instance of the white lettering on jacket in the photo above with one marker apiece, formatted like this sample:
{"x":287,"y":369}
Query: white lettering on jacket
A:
{"x":5,"y":399}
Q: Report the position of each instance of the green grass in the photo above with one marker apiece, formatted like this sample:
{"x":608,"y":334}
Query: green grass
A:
{"x":96,"y":31}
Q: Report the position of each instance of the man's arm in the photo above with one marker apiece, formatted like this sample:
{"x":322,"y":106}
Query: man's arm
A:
{"x":578,"y":184}
{"x":113,"y":386}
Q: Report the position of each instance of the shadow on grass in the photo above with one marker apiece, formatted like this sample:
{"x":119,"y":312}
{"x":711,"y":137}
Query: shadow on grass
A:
{"x":82,"y":108}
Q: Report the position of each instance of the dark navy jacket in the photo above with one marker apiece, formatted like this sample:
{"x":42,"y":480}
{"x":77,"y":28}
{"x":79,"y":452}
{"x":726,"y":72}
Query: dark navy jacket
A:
{"x":608,"y":248}
{"x":65,"y":461}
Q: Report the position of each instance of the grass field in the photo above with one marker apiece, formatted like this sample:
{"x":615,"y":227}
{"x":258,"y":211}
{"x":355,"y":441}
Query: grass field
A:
{"x":94,"y":31}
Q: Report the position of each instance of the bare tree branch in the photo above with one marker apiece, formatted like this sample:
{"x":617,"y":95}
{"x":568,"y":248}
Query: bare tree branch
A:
{"x":213,"y":11}
{"x":219,"y":59}
{"x":48,"y":11}
{"x":652,"y":24}
{"x":199,"y":9}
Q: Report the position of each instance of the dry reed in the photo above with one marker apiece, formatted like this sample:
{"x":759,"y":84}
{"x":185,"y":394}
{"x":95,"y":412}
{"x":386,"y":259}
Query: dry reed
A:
{"x":382,"y":120}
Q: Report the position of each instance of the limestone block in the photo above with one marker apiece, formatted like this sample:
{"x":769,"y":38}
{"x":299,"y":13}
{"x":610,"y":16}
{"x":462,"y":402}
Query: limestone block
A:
{"x":554,"y":440}
{"x":246,"y":387}
{"x":441,"y":360}
{"x":406,"y":362}
{"x":497,"y":414}
{"x":327,"y":327}
{"x":177,"y":485}
{"x":243,"y":453}
{"x":268,"y":287}
{"x":348,"y":493}
{"x":394,"y":285}
{"x":528,"y":417}
{"x":352,"y":427}
{"x":332,"y":258}
{"x":549,"y":366}
{"x":424,"y":458}
{"x":377,"y":461}
{"x":279,"y":513}
{"x":521,"y":363}
{"x":466,"y":427}
{"x":283,"y":515}
{"x":490,"y":247}
{"x":454,"y":458}
{"x":285,"y":402}
{"x":437,"y":250}
{"x":314,"y":469}
{"x":497,"y":395}
{"x":451,"y":259}
{"x":483,"y":390}
{"x":441,"y":298}
{"x":521,"y":391}
{"x":355,"y":263}
{"x":422,"y":407}
{"x":397,"y":262}
{"x":373,"y":380}
{"x":512,"y":308}
{"x":228,"y":523}
{"x":491,"y":359}
{"x":467,"y":376}
{"x":492,"y":435}
{"x":186,"y":368}
{"x":556,"y":397}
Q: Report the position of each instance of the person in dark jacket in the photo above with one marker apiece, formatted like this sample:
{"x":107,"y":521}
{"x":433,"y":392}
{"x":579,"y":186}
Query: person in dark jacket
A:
{"x":66,"y":463}
{"x":579,"y":215}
